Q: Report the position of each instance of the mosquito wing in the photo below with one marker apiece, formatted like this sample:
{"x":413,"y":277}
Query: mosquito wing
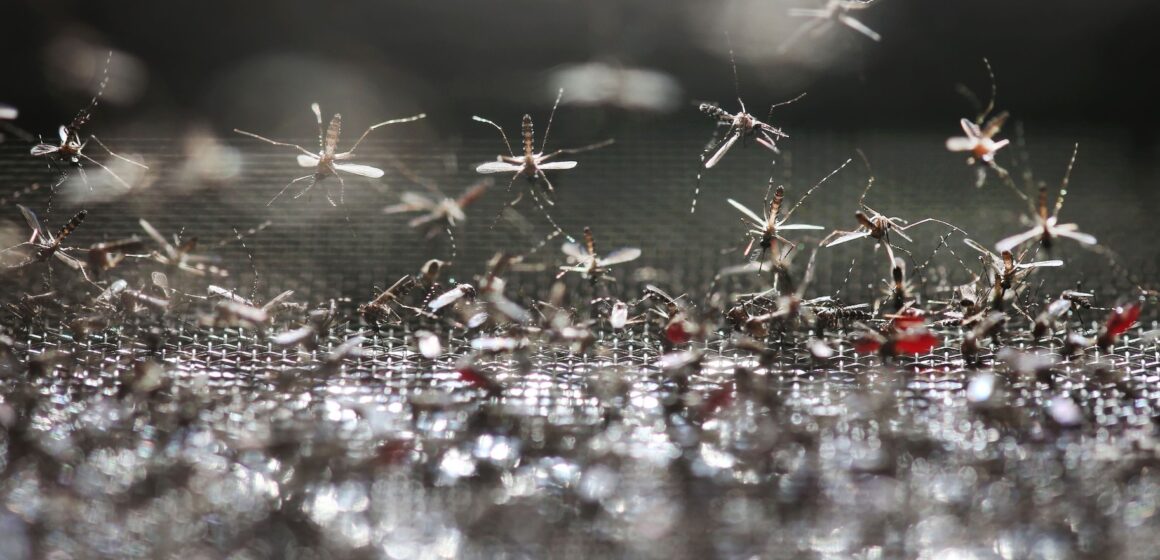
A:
{"x":859,"y":27}
{"x":34,"y":223}
{"x":7,"y":112}
{"x":361,"y":170}
{"x":961,"y":144}
{"x":848,"y":237}
{"x":156,"y":235}
{"x":748,"y":213}
{"x":733,"y":136}
{"x":575,"y":250}
{"x":307,"y":161}
{"x":1017,"y":240}
{"x":63,"y":133}
{"x":970,"y":128}
{"x":1037,"y":264}
{"x":556,"y":165}
{"x":990,"y":257}
{"x":619,"y":256}
{"x":797,"y":226}
{"x":446,"y":298}
{"x":499,"y":167}
{"x":44,"y":149}
{"x":292,"y":338}
{"x":1078,"y":236}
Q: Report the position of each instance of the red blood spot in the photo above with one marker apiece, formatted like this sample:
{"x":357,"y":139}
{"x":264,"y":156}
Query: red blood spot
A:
{"x":719,"y":398}
{"x":469,"y":375}
{"x":677,"y":333}
{"x":918,"y":342}
{"x":1122,"y":319}
{"x":909,"y":319}
{"x":393,"y":452}
{"x":867,"y":345}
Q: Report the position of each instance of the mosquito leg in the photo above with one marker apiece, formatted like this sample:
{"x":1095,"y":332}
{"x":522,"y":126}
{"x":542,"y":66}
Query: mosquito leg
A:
{"x":109,"y":171}
{"x":302,"y":178}
{"x":277,"y":143}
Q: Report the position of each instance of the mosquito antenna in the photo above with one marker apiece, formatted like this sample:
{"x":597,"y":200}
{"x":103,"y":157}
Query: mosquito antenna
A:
{"x":780,"y":103}
{"x":733,"y":65}
{"x":994,"y":93}
{"x":85,"y":114}
{"x":501,"y":132}
{"x":1066,"y":180}
{"x":551,"y":117}
{"x":819,"y":183}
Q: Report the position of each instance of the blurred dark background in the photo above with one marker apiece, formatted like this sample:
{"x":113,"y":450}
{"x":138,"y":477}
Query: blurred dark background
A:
{"x":245,"y":64}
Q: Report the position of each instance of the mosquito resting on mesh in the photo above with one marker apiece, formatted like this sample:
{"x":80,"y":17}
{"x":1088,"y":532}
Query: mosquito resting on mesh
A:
{"x":329,"y":161}
{"x":179,"y":254}
{"x":532,"y":164}
{"x":1005,"y":270}
{"x":979,"y":142}
{"x":741,"y":125}
{"x":47,"y":246}
{"x":765,"y":231}
{"x":585,"y":260}
{"x":1046,"y":227}
{"x":834,"y":12}
{"x":70,"y":150}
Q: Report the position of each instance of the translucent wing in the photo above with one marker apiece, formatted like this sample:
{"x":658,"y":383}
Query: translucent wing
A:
{"x":1079,"y":236}
{"x":960,"y":144}
{"x":860,"y":27}
{"x":748,"y":213}
{"x":848,"y":237}
{"x":1037,"y":264}
{"x":290,"y":338}
{"x":63,"y":133}
{"x":554,"y":165}
{"x":44,"y":149}
{"x":7,"y":112}
{"x":417,"y":200}
{"x":307,"y":161}
{"x":622,"y":255}
{"x":970,"y":128}
{"x":721,"y":151}
{"x":498,"y":167}
{"x":446,"y":298}
{"x":156,"y":235}
{"x":1017,"y":240}
{"x":797,"y":226}
{"x":575,"y":250}
{"x":361,"y":170}
{"x":33,"y":223}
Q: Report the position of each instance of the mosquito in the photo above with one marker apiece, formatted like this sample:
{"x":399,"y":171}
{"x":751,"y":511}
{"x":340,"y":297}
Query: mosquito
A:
{"x":878,"y":226}
{"x":71,"y":147}
{"x":439,"y":211}
{"x":764,"y":231}
{"x":834,"y":12}
{"x":179,"y":254}
{"x":106,"y":255}
{"x":381,"y":308}
{"x":1005,"y":269}
{"x":1046,"y":227}
{"x":979,"y":141}
{"x":48,"y":246}
{"x":532,"y":164}
{"x":585,"y":260}
{"x":329,"y":161}
{"x":451,"y":296}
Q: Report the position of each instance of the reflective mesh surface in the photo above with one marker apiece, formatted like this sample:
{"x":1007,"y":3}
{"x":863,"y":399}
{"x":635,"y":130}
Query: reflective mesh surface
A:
{"x":142,"y":434}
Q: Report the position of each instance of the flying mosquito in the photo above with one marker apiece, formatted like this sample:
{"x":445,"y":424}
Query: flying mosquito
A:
{"x":532,"y":164}
{"x":439,"y":210}
{"x":48,"y":246}
{"x":834,"y":12}
{"x":979,"y":141}
{"x":70,"y":150}
{"x":877,"y":226}
{"x":585,"y":260}
{"x":765,"y":231}
{"x":1046,"y":227}
{"x":742,"y":125}
{"x":329,"y":161}
{"x":1005,"y":269}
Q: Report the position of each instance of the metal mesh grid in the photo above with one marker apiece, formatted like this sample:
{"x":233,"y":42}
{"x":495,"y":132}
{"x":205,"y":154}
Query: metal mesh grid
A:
{"x":155,"y":437}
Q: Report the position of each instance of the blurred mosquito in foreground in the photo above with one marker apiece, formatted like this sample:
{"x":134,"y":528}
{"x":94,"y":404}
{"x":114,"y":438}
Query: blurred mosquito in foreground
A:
{"x":741,"y":125}
{"x":583,"y":258}
{"x":70,"y":150}
{"x":834,"y":12}
{"x":329,"y":161}
{"x":532,"y":164}
{"x":765,"y":231}
{"x":47,"y":246}
{"x":979,"y":142}
{"x":1044,"y":226}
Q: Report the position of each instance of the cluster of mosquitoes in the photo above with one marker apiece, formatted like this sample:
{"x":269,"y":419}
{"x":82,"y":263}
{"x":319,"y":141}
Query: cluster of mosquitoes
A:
{"x":898,"y":323}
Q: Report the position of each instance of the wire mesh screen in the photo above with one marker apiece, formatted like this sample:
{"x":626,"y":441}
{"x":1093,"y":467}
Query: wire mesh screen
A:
{"x":137,"y":432}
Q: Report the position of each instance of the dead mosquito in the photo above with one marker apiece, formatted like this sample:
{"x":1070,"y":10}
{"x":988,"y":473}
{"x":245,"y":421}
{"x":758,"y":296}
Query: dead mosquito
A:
{"x":45,"y":245}
{"x":532,"y":164}
{"x":70,"y":149}
{"x":380,"y":308}
{"x":329,"y":161}
{"x":585,"y":260}
{"x":834,"y":12}
{"x":1044,"y":226}
{"x":765,"y":231}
